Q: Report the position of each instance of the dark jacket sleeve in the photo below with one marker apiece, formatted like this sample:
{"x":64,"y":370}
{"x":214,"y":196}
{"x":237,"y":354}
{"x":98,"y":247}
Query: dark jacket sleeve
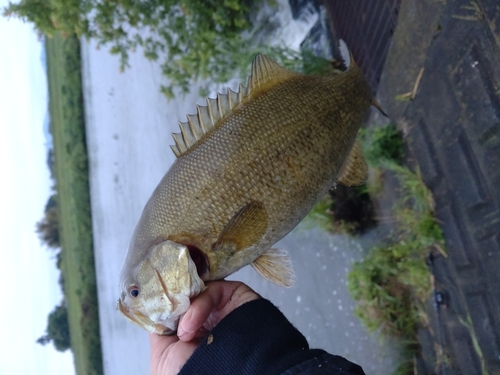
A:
{"x":256,"y":338}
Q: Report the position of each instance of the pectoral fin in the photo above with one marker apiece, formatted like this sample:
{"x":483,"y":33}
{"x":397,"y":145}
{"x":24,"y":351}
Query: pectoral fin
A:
{"x":354,"y":171}
{"x":276,"y":266}
{"x":244,"y":229}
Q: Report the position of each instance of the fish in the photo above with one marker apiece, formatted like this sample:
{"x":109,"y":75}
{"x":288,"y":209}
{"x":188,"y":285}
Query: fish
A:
{"x":250,"y":165}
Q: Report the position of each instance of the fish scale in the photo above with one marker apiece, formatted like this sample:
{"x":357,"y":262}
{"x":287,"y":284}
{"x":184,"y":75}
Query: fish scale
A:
{"x":250,"y":166}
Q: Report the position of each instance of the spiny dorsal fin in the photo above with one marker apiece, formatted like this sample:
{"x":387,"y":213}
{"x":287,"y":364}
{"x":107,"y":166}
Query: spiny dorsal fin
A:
{"x":207,"y":118}
{"x":267,"y":72}
{"x":276,"y":266}
{"x":354,"y":171}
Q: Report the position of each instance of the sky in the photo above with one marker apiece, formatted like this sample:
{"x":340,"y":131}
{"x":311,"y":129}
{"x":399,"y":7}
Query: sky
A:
{"x":28,"y":275}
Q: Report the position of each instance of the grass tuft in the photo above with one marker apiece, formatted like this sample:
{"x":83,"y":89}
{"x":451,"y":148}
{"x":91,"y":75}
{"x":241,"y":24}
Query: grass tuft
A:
{"x":393,"y":282}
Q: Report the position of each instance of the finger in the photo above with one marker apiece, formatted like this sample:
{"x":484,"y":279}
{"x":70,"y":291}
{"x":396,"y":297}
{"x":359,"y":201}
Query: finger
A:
{"x":218,"y":300}
{"x":161,"y":343}
{"x":200,"y":309}
{"x":242,"y":294}
{"x":168,"y":354}
{"x":159,"y":348}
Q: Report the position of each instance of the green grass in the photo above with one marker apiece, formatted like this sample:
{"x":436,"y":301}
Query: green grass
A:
{"x":392,"y":283}
{"x":321,"y":216}
{"x":344,"y":210}
{"x":381,"y":144}
{"x":71,"y":173}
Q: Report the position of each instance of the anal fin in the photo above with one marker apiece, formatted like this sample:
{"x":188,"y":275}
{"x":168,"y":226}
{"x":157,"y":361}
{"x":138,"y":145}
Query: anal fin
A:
{"x":354,"y":171}
{"x":276,"y":266}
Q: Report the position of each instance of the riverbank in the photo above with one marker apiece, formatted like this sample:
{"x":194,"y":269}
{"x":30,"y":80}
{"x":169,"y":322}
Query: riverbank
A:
{"x":71,"y":174}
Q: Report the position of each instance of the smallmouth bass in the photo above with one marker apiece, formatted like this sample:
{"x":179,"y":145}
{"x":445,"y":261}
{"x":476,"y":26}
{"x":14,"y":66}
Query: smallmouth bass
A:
{"x":250,"y":166}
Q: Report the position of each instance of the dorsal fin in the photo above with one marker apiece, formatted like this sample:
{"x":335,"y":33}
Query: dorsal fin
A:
{"x":267,"y":72}
{"x":207,"y":118}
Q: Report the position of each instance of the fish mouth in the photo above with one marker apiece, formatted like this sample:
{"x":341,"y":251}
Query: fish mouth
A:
{"x":136,"y":317}
{"x":144,"y":322}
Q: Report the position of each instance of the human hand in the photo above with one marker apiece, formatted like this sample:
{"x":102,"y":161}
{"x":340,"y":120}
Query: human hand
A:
{"x":170,"y":353}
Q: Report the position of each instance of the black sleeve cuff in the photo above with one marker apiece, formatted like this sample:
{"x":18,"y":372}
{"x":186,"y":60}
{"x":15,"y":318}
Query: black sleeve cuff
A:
{"x":255,"y":338}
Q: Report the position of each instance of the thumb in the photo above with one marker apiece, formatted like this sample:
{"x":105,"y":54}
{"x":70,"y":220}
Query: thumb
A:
{"x":211,"y":306}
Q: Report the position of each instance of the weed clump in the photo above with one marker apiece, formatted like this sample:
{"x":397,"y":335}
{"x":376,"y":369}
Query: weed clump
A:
{"x":382,"y":144}
{"x":350,"y":209}
{"x":392,"y":283}
{"x":344,"y":210}
{"x":353,"y":207}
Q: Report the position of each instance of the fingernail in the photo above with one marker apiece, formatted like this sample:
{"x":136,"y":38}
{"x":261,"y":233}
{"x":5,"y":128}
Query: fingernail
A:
{"x":181,"y":330}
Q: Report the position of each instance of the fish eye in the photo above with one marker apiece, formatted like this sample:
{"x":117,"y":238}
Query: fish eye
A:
{"x":134,"y":291}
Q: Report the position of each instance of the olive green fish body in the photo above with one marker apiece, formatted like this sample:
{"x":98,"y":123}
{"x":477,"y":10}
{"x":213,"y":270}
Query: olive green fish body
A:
{"x":253,"y":177}
{"x":283,"y":148}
